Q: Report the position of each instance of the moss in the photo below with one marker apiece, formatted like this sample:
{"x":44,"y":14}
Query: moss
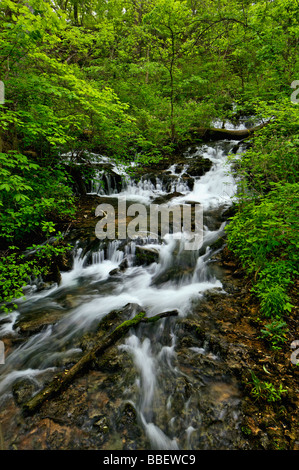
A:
{"x":132,"y":322}
{"x":152,"y":319}
{"x":246,"y":430}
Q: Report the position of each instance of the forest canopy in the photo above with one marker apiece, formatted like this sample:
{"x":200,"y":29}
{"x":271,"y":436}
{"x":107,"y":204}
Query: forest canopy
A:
{"x":135,"y":76}
{"x":133,"y":79}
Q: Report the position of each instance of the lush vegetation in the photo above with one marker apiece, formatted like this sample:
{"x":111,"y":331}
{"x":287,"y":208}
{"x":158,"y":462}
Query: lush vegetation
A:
{"x":264,"y":232}
{"x":132,"y":79}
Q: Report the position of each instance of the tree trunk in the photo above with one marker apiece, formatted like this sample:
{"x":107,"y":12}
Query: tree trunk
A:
{"x":76,"y":19}
{"x":172,"y":126}
{"x":147,"y":60}
{"x":216,"y":134}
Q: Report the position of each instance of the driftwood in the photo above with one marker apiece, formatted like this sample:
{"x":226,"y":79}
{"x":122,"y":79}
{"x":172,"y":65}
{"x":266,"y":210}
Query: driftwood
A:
{"x":62,"y":380}
{"x":217,"y":134}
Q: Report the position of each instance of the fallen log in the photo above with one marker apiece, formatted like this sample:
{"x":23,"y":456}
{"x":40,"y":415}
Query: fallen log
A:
{"x":63,"y":379}
{"x":214,"y":133}
{"x":170,"y":313}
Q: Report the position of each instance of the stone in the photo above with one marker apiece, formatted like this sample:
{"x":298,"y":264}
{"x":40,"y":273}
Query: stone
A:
{"x":23,"y":390}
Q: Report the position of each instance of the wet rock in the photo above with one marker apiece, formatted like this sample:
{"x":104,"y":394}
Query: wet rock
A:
{"x":23,"y":390}
{"x":3,"y":321}
{"x":128,"y":414}
{"x":199,"y":167}
{"x":114,"y":272}
{"x":189,"y":180}
{"x":166,"y":198}
{"x":123,"y":265}
{"x":53,"y":275}
{"x":182,"y":392}
{"x":145,"y":255}
{"x":64,"y":261}
{"x":218,"y":244}
{"x":172,"y":274}
{"x":32,"y":323}
{"x":110,"y":362}
{"x":102,"y":425}
{"x":121,"y":268}
{"x":127,"y":422}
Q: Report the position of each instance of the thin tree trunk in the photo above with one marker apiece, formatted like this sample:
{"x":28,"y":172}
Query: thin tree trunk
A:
{"x":76,"y":12}
{"x":171,"y":89}
{"x":147,"y":60}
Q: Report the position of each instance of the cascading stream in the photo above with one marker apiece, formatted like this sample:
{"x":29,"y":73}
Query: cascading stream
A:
{"x":173,"y":281}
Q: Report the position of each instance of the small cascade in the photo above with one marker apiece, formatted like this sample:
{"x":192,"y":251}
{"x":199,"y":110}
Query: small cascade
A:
{"x":144,"y":190}
{"x":105,"y":183}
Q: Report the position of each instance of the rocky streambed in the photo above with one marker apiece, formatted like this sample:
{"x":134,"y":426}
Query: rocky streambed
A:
{"x":216,"y":348}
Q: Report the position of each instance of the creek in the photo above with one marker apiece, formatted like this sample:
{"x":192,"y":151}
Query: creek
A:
{"x":176,"y":391}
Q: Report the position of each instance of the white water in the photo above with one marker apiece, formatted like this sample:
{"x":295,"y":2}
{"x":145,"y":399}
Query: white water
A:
{"x":217,"y":186}
{"x":214,"y":188}
{"x":95,"y":293}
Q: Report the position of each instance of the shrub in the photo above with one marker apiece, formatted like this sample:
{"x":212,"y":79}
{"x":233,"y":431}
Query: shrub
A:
{"x":262,"y":390}
{"x":264,"y":232}
{"x":275,"y":332}
{"x":30,"y":195}
{"x":16,"y":271}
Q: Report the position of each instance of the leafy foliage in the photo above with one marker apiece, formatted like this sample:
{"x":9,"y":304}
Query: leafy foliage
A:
{"x":17,"y":270}
{"x":262,"y":390}
{"x":264,"y":232}
{"x":275,"y":333}
{"x":30,"y":196}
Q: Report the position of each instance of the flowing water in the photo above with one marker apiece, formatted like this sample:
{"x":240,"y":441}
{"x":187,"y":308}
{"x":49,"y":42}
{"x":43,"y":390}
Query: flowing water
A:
{"x":173,"y":279}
